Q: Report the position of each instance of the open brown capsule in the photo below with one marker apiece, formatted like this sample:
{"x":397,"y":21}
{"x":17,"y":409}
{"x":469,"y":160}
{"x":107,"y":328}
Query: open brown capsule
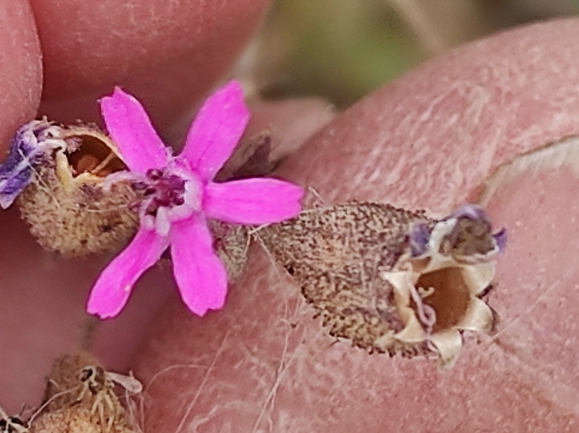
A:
{"x":77,"y":201}
{"x":392,"y":280}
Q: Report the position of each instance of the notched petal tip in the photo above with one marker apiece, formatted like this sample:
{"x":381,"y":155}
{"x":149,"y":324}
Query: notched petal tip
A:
{"x":216,"y":130}
{"x":199,"y":304}
{"x":130,"y":128}
{"x":106,"y":300}
{"x":118,"y":93}
{"x":198,"y":271}
{"x":113,"y":287}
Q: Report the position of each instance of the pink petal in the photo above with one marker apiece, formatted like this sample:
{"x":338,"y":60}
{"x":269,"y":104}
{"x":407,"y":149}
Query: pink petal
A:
{"x":252,"y":201}
{"x":200,"y":275}
{"x":216,"y":130}
{"x":113,"y":287}
{"x":132,"y":131}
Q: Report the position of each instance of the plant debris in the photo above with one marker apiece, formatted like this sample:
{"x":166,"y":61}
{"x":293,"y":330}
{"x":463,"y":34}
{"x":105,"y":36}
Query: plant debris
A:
{"x":81,"y":397}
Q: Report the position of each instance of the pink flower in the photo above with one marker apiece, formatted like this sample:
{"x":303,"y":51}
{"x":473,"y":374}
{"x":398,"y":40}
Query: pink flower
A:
{"x":181,"y":195}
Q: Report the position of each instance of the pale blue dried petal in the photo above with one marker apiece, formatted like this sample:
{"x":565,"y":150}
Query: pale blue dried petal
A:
{"x":501,"y":239}
{"x":419,"y":239}
{"x":18,"y":169}
{"x":12,"y":185}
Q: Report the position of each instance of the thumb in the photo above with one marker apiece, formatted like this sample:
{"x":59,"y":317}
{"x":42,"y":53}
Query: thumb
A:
{"x":428,"y":140}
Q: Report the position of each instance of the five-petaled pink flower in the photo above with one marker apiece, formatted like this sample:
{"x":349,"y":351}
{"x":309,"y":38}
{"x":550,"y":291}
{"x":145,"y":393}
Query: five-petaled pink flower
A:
{"x":181,"y":195}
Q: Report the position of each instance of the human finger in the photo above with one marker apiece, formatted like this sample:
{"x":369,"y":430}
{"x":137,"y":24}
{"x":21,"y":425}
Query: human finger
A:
{"x":170,"y":54}
{"x":428,"y":140}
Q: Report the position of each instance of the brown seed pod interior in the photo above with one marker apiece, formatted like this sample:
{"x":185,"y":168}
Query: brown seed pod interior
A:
{"x":449,"y":296}
{"x":93,"y":153}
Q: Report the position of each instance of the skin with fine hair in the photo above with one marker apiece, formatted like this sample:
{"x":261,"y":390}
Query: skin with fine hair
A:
{"x":428,"y":141}
{"x":165,"y":52}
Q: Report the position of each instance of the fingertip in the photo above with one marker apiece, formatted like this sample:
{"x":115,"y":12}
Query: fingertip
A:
{"x":167,"y":54}
{"x":21,"y":72}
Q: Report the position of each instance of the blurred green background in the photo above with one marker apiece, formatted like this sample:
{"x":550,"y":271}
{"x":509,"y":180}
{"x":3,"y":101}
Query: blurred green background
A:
{"x":343,"y":49}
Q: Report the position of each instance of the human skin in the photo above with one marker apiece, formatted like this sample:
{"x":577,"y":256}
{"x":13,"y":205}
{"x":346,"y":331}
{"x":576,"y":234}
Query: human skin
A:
{"x":165,"y":52}
{"x":426,"y":141}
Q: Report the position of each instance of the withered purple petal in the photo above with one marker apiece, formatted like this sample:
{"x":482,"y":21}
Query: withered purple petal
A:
{"x":17,"y":170}
{"x":12,"y":185}
{"x":130,"y":127}
{"x":419,"y":238}
{"x":501,"y":239}
{"x":470,"y":234}
{"x":216,"y":131}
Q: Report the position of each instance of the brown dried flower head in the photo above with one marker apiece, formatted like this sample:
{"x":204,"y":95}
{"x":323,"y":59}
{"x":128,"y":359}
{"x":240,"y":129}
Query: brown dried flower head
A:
{"x":80,"y":397}
{"x":77,"y":201}
{"x":392,"y":280}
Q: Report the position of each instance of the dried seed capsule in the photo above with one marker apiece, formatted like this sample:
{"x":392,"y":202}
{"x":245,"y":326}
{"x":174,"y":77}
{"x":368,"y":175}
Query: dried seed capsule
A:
{"x":80,"y":396}
{"x":74,"y":192}
{"x":392,"y":280}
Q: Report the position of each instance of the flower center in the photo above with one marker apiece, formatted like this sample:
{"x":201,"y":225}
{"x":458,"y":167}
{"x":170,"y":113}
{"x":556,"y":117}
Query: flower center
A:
{"x":168,"y":196}
{"x":163,"y":190}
